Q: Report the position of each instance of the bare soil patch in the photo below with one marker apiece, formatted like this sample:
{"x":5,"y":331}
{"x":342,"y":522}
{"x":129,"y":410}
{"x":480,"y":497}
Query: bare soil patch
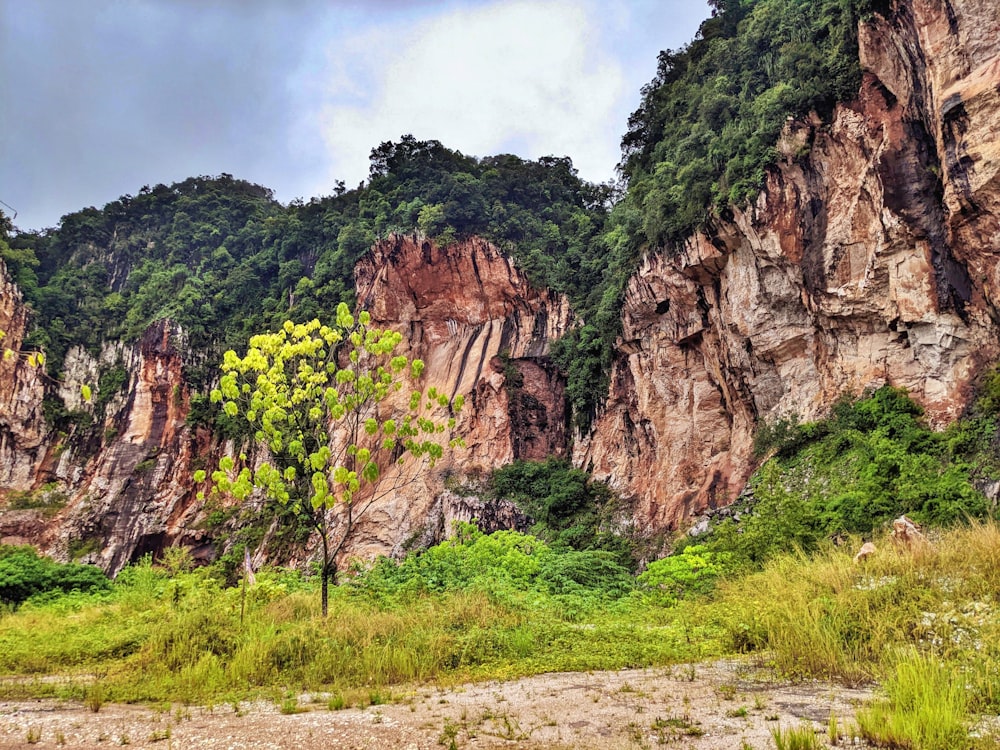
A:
{"x":716,"y":706}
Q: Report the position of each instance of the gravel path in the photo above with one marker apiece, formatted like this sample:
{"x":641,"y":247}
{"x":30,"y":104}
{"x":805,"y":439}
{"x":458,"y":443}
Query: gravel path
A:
{"x":705,"y":707}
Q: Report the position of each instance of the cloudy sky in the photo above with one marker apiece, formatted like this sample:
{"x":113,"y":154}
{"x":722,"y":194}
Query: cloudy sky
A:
{"x":101,"y":97}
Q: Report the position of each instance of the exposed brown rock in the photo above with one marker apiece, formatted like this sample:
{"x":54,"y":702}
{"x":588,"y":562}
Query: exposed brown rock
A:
{"x":871,"y":259}
{"x":22,"y":424}
{"x":483,"y":332}
{"x":905,"y":533}
{"x":867,"y":550}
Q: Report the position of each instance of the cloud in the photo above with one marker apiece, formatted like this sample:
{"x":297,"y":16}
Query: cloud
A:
{"x":524,"y":77}
{"x":104,"y":97}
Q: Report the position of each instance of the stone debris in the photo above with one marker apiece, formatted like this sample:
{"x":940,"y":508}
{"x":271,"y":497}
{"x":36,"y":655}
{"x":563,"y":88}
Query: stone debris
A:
{"x":866,"y":551}
{"x":906,"y":533}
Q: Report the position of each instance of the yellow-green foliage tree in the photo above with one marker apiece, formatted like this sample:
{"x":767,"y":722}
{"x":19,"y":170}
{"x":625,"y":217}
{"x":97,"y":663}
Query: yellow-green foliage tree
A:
{"x":315,"y":397}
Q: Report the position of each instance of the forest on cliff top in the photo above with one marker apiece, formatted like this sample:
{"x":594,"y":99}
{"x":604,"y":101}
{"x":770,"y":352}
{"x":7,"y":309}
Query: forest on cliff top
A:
{"x":223,"y":259}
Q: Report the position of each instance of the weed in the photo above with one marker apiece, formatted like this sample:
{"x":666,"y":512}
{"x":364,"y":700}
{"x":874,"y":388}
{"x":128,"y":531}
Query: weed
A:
{"x":337,"y":702}
{"x":159,"y":735}
{"x":95,"y":697}
{"x":727,"y":691}
{"x":676,"y":726}
{"x":508,"y":728}
{"x":737,"y":713}
{"x":60,"y":739}
{"x":926,"y":707}
{"x":34,"y":735}
{"x":795,"y":738}
{"x":449,"y":735}
{"x":290,"y":705}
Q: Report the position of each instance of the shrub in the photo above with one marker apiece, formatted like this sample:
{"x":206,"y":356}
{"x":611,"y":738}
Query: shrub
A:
{"x":692,"y":571}
{"x":23,"y":574}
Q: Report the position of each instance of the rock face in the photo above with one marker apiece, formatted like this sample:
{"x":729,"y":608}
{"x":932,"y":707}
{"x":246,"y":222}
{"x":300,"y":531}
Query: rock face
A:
{"x":871,"y":258}
{"x":468,"y":313}
{"x":126,"y":485}
{"x":483,"y":332}
{"x":22,"y":423}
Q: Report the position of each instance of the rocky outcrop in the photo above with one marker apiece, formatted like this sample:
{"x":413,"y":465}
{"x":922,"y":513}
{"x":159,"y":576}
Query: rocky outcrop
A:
{"x":869,"y":257}
{"x":22,"y":423}
{"x":126,"y":469}
{"x":483,"y":332}
{"x":136,"y":493}
{"x":119,"y":463}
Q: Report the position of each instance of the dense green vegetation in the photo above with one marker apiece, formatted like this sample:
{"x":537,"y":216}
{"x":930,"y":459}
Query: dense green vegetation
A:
{"x":476,"y":606}
{"x":24,"y":574}
{"x":220,"y":257}
{"x":709,"y":121}
{"x":569,"y":510}
{"x":872,"y":460}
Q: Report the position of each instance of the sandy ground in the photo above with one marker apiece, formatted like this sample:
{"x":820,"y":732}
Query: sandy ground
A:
{"x":707,"y":706}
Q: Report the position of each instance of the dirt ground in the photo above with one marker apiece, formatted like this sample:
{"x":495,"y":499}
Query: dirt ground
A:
{"x":717,"y":706}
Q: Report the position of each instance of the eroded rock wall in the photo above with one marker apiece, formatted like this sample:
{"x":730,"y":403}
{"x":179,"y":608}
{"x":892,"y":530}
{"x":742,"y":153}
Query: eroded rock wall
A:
{"x":122,"y":465}
{"x":125,"y":468}
{"x":483,"y":332}
{"x":22,"y":423}
{"x":870,"y":257}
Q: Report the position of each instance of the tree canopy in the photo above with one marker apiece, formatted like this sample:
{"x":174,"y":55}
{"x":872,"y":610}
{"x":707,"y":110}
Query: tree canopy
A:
{"x":315,"y":399}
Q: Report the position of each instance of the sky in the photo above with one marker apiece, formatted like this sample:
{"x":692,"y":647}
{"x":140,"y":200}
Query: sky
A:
{"x":101,"y":97}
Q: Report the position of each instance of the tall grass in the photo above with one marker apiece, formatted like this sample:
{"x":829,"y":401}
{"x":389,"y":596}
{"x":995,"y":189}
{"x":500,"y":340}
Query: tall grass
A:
{"x":926,"y":708}
{"x":924,"y":624}
{"x":181,"y":638}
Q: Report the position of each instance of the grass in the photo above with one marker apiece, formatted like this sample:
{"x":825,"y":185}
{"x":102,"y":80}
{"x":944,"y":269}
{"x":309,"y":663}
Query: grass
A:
{"x":926,"y":707}
{"x":923,"y":626}
{"x":795,"y":738}
{"x":180,"y":639}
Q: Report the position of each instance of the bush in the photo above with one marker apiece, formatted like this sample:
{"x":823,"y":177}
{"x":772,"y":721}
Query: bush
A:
{"x":872,"y":460}
{"x":693,"y":571}
{"x":568,"y":509}
{"x":24,"y":574}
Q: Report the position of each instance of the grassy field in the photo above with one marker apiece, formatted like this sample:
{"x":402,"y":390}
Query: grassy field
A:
{"x":921,"y":623}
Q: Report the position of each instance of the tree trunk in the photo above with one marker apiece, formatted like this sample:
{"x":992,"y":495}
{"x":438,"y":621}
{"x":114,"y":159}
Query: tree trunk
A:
{"x":325,"y":575}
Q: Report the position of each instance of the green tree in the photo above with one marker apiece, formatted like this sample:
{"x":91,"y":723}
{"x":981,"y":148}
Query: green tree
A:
{"x":315,"y":397}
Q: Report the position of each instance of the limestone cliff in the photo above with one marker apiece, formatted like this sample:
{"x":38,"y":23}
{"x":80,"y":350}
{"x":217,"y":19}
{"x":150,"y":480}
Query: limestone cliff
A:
{"x":484,"y":332}
{"x":22,"y":423}
{"x":474,"y":319}
{"x":869,"y":257}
